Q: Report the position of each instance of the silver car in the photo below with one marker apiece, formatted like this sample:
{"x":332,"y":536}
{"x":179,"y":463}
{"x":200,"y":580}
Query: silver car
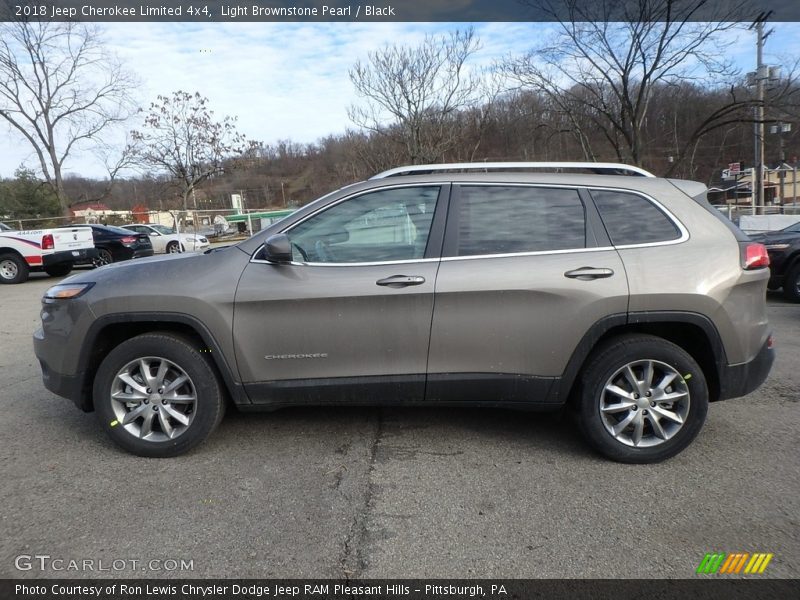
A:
{"x":595,"y":287}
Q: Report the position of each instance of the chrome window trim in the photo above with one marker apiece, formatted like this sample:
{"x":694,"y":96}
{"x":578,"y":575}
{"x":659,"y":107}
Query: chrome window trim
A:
{"x":438,"y":184}
{"x":533,"y":253}
{"x":353,"y":264}
{"x":684,"y":233}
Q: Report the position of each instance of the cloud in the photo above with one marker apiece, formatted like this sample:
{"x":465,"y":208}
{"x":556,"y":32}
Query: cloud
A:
{"x":289,"y":80}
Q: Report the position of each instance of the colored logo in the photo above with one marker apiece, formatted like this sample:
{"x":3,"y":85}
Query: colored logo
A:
{"x":735,"y":563}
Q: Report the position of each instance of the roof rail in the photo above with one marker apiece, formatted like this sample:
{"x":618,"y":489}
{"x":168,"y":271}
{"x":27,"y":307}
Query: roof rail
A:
{"x":596,"y":167}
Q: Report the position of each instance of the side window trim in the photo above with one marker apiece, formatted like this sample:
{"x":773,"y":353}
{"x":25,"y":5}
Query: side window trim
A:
{"x":451,"y":239}
{"x":435,"y":236}
{"x":684,"y":233}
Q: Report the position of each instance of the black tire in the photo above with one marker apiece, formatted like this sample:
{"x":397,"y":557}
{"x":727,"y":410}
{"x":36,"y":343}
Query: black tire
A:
{"x":203,"y":415}
{"x":58,"y":270}
{"x":103,"y":257}
{"x":13,"y":268}
{"x":791,"y":283}
{"x":173,"y":248}
{"x":667,"y":360}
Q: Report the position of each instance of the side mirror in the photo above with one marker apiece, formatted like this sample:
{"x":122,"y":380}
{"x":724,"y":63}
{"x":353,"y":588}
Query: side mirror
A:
{"x":278,"y":248}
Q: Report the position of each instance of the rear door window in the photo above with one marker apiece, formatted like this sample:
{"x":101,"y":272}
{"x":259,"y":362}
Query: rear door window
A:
{"x":497,"y":219}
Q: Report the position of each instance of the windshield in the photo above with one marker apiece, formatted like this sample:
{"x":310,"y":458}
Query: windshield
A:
{"x":162,"y":229}
{"x":4,"y":227}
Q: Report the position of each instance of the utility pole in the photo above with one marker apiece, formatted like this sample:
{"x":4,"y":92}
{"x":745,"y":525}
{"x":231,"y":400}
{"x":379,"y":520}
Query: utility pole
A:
{"x":761,"y":75}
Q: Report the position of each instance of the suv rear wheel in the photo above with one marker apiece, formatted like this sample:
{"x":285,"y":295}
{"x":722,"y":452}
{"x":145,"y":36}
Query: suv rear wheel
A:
{"x":156,"y":395}
{"x":643,"y":399}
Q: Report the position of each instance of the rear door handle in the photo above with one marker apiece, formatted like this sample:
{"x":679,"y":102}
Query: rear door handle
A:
{"x":589,"y":273}
{"x":398,"y":281}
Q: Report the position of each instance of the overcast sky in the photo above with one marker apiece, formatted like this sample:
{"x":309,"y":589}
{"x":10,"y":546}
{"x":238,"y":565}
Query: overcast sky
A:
{"x":289,"y":80}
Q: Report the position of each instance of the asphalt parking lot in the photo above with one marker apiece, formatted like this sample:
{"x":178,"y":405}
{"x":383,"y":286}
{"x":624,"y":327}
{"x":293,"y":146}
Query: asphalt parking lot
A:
{"x":400,"y":492}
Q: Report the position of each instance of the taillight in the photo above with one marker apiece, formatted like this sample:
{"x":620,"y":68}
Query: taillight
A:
{"x":47,"y":242}
{"x":754,"y":256}
{"x":128,"y":239}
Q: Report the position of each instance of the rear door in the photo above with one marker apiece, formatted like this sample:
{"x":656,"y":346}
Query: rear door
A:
{"x":349,"y":320}
{"x":526,"y":271}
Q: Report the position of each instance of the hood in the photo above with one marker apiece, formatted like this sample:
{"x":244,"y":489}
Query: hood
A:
{"x":152,"y":266}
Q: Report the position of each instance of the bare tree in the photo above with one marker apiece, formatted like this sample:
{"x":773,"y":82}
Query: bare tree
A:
{"x":180,"y":136}
{"x":59,"y":89}
{"x":413,"y":93}
{"x":607,"y":60}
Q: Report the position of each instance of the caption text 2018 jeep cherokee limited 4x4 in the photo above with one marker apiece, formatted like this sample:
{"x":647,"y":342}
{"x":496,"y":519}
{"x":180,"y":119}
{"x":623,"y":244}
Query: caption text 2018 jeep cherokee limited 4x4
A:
{"x":617,"y":293}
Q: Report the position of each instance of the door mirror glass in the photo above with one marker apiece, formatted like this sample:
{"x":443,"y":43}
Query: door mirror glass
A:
{"x":278,"y":248}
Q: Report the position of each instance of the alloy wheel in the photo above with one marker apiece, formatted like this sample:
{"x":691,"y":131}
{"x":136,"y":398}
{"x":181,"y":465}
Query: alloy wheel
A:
{"x":153,"y":399}
{"x":644,"y":403}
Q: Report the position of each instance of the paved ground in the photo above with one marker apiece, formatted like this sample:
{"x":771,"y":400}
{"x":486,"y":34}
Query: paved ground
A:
{"x":394,"y":492}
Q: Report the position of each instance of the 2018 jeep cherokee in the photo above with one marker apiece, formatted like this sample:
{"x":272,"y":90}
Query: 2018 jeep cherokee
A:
{"x":622,"y":295}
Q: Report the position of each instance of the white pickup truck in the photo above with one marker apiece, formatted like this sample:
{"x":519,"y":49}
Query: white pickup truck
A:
{"x":53,"y":251}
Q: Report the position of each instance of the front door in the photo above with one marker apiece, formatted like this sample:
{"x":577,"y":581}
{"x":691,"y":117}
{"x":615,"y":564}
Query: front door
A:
{"x":348,"y":321}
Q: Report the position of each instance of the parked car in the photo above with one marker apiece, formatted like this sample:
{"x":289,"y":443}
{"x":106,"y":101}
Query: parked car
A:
{"x":783,"y":247}
{"x":619,"y":295}
{"x":53,"y":251}
{"x":164,"y":240}
{"x":115,"y":244}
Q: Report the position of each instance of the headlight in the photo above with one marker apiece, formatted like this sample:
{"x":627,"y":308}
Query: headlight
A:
{"x":777,"y":246}
{"x":67,"y":291}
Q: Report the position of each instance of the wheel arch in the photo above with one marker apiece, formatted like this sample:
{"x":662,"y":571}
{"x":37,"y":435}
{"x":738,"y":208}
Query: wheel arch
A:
{"x":108,"y":332}
{"x":693,"y":332}
{"x":14,"y":251}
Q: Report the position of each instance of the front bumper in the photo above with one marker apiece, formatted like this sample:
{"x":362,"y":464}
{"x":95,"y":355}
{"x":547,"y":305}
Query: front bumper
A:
{"x":740,"y":380}
{"x":66,"y":386}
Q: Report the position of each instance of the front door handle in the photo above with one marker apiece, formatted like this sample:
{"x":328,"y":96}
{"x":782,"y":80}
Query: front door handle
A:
{"x":589,"y":273}
{"x":398,"y":281}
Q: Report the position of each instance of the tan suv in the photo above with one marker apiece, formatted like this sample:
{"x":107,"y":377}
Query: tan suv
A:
{"x":526,"y":285}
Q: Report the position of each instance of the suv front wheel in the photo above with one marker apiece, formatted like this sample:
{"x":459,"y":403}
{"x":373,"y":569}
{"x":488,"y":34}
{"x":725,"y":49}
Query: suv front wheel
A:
{"x":156,"y":395}
{"x":642,"y":399}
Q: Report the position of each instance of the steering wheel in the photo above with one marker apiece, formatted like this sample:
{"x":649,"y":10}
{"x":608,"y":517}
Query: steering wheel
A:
{"x":321,"y":250}
{"x":301,"y":251}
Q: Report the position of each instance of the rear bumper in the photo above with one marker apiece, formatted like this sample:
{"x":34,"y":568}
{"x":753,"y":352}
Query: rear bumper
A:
{"x":740,"y":380}
{"x":68,"y":256}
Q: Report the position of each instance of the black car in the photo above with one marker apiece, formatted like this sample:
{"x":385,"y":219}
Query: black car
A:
{"x":115,"y":244}
{"x":783,"y":247}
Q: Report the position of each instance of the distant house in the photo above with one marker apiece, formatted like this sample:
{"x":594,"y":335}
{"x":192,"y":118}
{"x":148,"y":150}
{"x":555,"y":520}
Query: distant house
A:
{"x":94,"y":212}
{"x":739,"y":189}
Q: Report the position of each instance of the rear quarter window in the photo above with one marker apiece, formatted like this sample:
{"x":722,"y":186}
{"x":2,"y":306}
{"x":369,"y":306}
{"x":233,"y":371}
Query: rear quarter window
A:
{"x":632,"y":219}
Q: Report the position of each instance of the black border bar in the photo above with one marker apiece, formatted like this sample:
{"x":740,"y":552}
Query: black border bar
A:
{"x":393,"y":10}
{"x":700,"y":588}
